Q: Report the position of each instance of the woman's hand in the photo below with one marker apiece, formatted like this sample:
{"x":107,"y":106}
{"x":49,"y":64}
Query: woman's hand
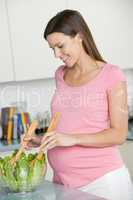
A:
{"x":30,"y":142}
{"x":53,"y":139}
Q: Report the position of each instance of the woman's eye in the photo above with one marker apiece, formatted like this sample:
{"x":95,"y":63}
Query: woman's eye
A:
{"x":61,"y":46}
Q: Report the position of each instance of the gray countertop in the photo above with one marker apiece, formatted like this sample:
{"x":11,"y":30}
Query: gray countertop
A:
{"x":49,"y":191}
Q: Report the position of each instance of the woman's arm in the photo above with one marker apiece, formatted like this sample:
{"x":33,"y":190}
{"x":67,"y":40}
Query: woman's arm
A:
{"x":118,"y":111}
{"x":116,"y":134}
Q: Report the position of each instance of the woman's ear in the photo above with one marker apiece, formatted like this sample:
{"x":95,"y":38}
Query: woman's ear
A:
{"x":79,"y":37}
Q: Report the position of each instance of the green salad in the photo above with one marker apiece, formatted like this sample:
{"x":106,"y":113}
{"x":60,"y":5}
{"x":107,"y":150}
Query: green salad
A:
{"x":25,"y":175}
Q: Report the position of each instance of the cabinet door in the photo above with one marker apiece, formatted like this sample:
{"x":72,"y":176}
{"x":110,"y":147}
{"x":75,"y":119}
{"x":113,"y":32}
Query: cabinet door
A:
{"x":32,"y":56}
{"x":6,"y":67}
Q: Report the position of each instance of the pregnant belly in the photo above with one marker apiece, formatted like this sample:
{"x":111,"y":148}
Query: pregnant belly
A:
{"x":66,"y":159}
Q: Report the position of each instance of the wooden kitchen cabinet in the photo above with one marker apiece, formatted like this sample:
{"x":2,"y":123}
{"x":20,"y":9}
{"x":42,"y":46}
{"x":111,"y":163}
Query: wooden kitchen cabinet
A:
{"x":33,"y":59}
{"x":6,"y":66}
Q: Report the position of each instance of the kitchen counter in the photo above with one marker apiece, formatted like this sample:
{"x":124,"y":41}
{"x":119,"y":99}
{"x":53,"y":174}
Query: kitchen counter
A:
{"x":49,"y":191}
{"x":4,"y":146}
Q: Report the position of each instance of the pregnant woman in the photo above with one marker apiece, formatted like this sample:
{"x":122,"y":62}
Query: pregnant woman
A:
{"x":91,"y":96}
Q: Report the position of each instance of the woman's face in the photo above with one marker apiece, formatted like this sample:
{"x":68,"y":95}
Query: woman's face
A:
{"x":65,"y":47}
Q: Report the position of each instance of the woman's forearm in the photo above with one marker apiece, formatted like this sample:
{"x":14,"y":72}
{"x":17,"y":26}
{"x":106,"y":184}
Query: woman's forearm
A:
{"x":107,"y":137}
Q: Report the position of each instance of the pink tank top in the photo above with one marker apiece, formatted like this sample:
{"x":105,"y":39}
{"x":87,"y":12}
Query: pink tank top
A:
{"x":84,"y":109}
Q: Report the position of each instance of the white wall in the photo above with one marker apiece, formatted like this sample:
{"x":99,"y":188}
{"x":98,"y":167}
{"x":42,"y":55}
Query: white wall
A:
{"x":111,"y":23}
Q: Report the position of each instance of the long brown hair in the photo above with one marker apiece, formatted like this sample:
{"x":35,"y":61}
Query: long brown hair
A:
{"x":71,"y":22}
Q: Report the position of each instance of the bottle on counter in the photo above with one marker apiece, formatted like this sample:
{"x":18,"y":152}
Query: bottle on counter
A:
{"x":43,"y":119}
